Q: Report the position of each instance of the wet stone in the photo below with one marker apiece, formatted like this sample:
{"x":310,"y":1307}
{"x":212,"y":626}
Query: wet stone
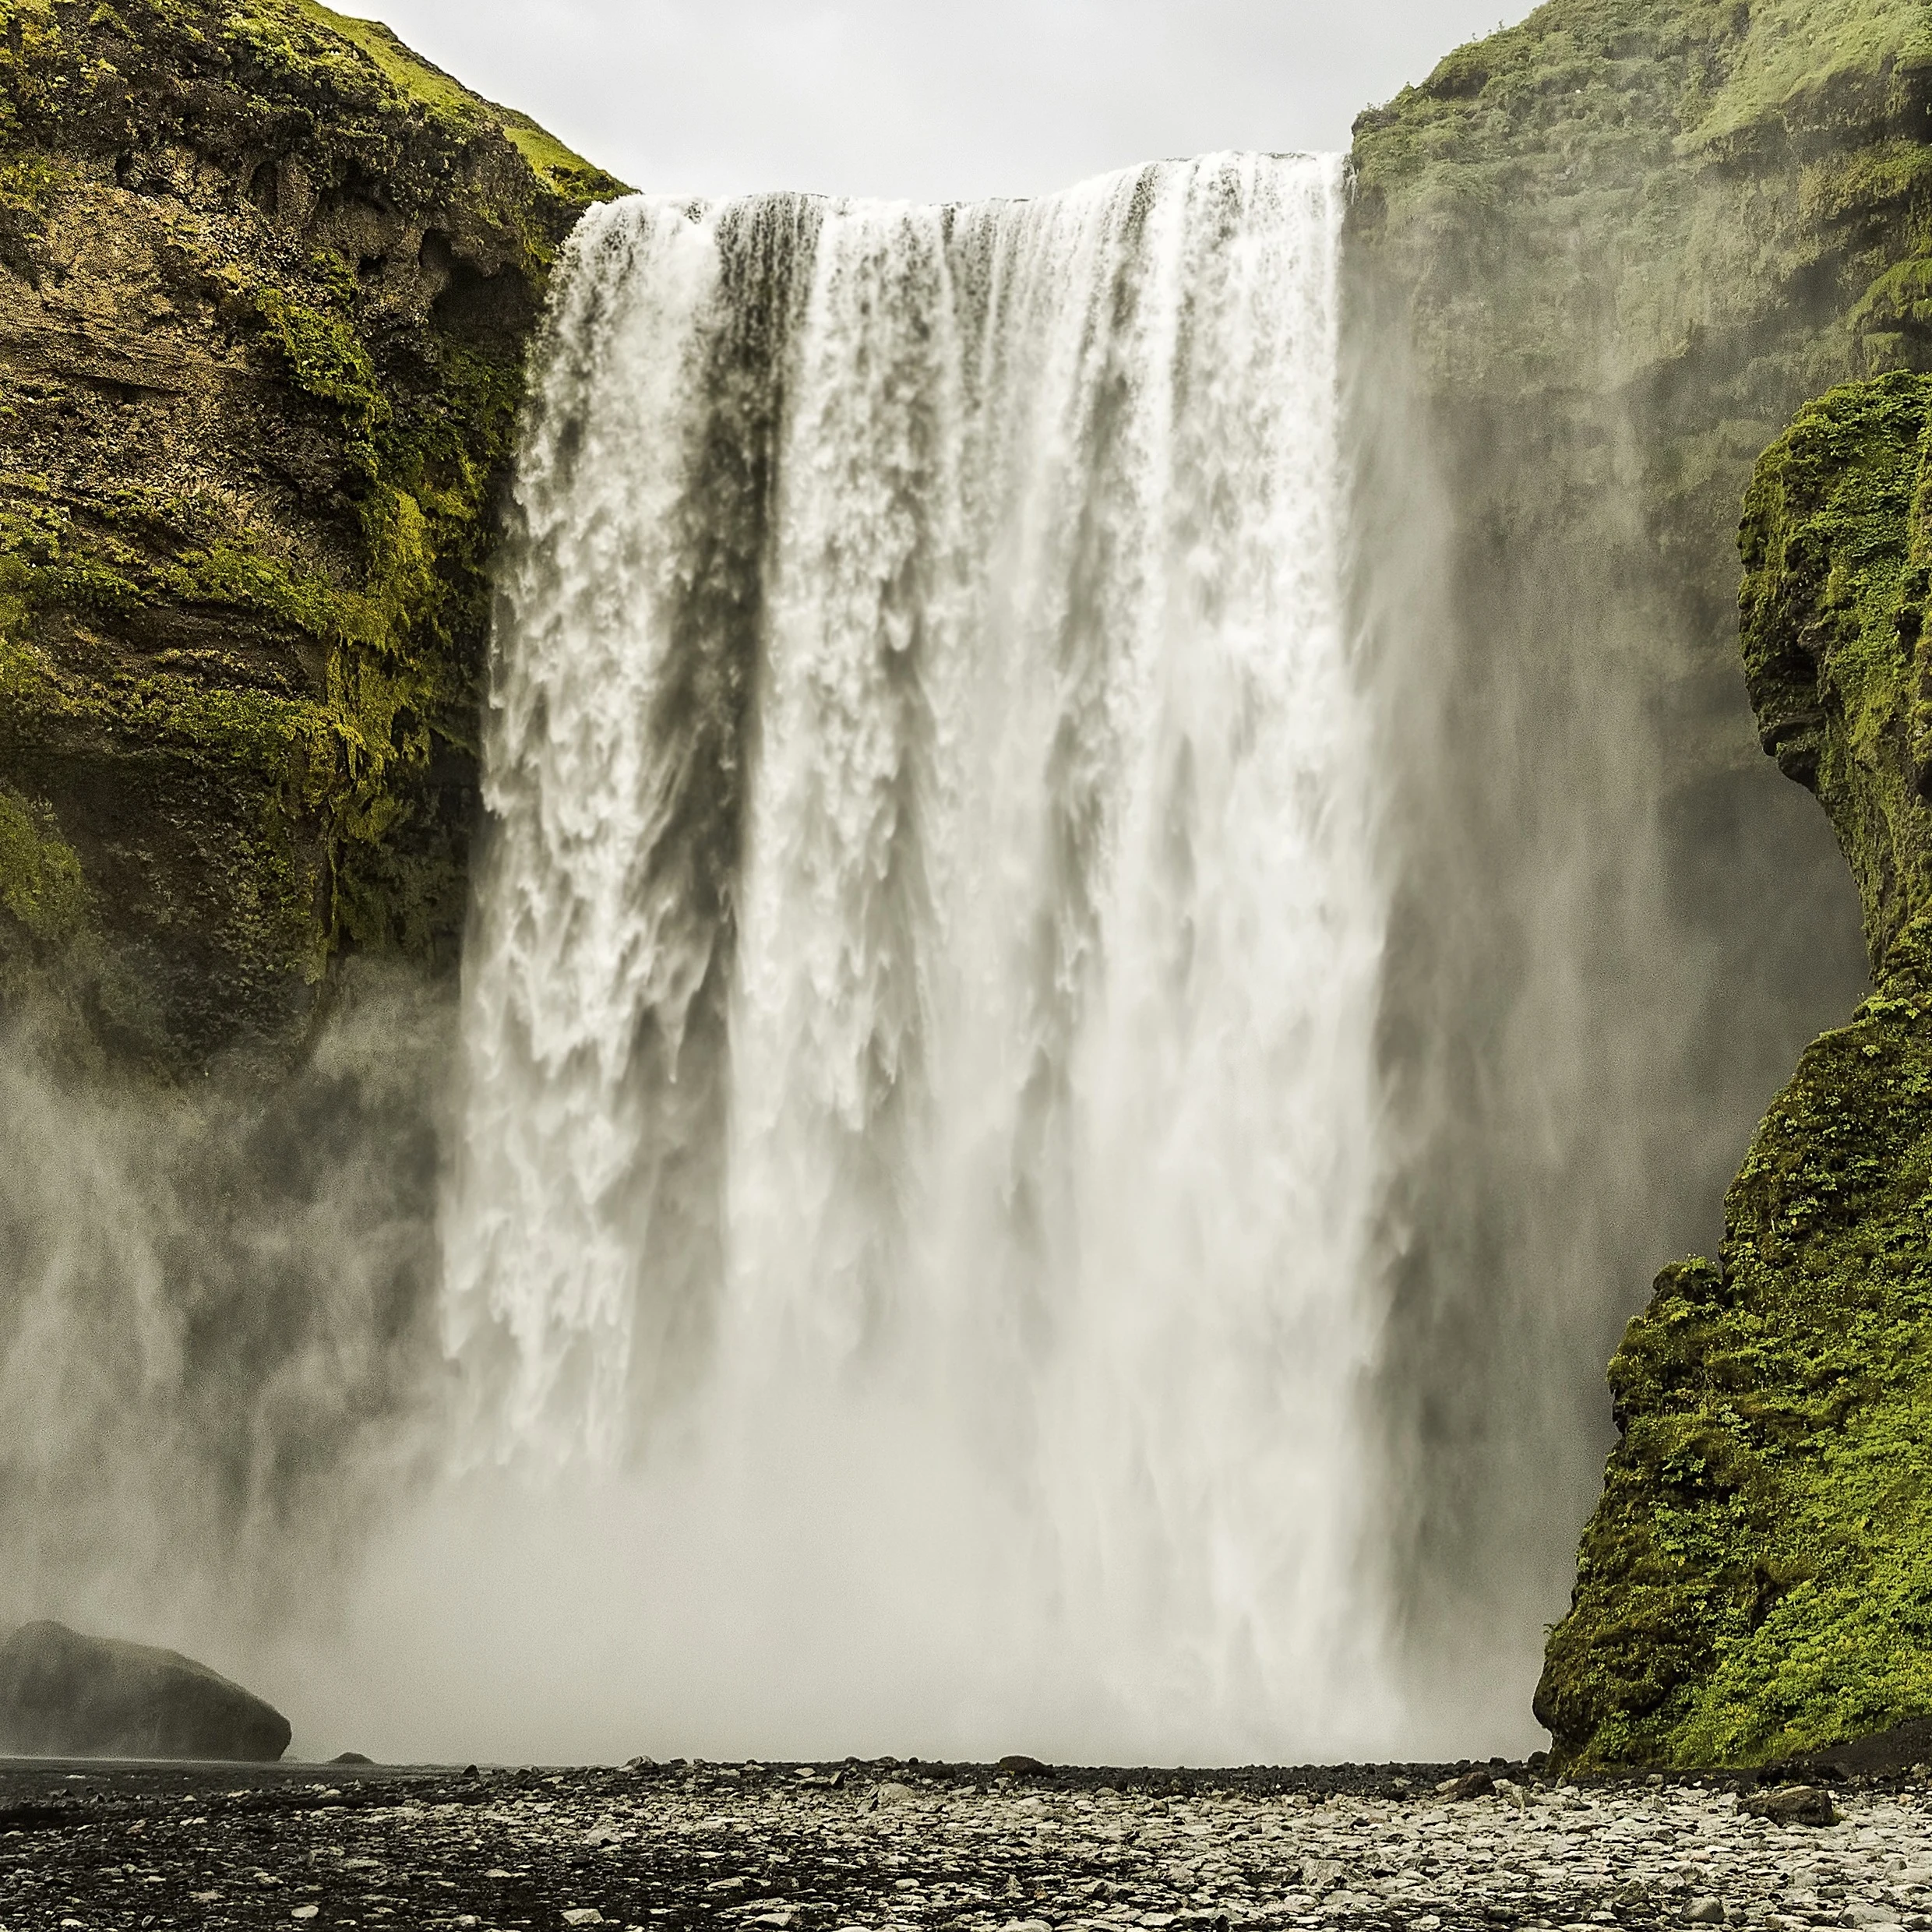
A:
{"x":1794,"y":1804}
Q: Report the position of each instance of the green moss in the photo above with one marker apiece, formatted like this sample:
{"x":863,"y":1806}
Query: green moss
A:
{"x":232,"y":575}
{"x":27,"y":183}
{"x":1528,"y":189}
{"x":462,"y":114}
{"x":1900,"y":298}
{"x":288,"y":766}
{"x":300,"y":40}
{"x":1834,"y":545}
{"x":569,"y":174}
{"x":1798,"y":51}
{"x":1620,"y":243}
{"x":325,"y":358}
{"x":280,"y":656}
{"x":42,"y":888}
{"x":42,"y":567}
{"x":389,"y":687}
{"x":251,"y":759}
{"x":448,"y":102}
{"x":1758,"y":1579}
{"x":53,"y":955}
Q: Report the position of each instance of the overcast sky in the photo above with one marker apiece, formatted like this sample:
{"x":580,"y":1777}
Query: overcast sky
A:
{"x":932,"y":99}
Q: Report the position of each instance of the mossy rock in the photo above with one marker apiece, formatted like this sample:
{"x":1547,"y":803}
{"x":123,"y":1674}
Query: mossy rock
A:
{"x":266,"y":284}
{"x":1837,"y":544}
{"x":1757,"y":1581}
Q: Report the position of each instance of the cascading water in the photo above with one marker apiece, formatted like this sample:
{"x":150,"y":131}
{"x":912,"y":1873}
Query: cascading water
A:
{"x":920,"y":1161}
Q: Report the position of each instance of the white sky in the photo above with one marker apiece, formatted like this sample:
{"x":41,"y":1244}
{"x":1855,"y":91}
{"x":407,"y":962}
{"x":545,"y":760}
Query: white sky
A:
{"x":910,"y":98}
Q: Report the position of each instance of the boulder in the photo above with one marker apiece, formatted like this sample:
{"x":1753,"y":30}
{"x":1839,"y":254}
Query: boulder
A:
{"x":1794,"y":1804}
{"x":64,"y":1695}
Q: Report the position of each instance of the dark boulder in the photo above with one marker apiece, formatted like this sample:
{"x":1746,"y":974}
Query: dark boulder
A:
{"x":63,"y":1695}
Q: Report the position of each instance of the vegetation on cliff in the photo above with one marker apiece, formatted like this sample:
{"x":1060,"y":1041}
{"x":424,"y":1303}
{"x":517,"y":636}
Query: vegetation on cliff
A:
{"x":1757,"y":1578}
{"x":1598,"y":261}
{"x":1627,"y":240}
{"x":266,"y":284}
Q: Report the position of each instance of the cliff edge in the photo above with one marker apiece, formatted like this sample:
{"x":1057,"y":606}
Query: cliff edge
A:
{"x":265,"y":283}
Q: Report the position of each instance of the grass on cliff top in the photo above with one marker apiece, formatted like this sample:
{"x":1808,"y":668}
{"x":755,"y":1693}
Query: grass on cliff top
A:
{"x":1702,"y":72}
{"x":1541,"y":180}
{"x":305,"y":38}
{"x":464,"y":113}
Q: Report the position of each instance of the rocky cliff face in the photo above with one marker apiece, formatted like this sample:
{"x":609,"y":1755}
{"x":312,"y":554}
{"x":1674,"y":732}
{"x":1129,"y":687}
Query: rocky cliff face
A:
{"x":1598,"y":261}
{"x":1757,"y":1577}
{"x":265,"y":283}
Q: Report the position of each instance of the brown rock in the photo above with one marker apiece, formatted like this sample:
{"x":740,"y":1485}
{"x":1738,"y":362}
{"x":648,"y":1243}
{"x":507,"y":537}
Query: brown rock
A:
{"x":1793,"y":1804}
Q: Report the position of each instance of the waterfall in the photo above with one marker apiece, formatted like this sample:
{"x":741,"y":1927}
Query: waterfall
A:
{"x":920,"y":1158}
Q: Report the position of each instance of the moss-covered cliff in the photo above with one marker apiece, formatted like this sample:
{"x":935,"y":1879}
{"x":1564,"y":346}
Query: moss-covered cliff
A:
{"x":1627,"y":239}
{"x":1757,"y":1578}
{"x":265,"y":282}
{"x":1597,"y":262}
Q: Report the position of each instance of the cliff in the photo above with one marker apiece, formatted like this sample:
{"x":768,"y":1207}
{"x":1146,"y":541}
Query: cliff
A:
{"x":265,"y":283}
{"x":1756,"y":1580}
{"x":1624,"y":245}
{"x":1598,"y":262}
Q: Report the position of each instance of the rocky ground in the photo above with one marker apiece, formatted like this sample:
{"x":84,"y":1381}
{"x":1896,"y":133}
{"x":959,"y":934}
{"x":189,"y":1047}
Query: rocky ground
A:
{"x":887,"y":1845}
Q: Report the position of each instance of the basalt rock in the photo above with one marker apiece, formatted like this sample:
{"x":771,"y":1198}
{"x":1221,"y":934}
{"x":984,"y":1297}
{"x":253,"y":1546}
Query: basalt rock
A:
{"x":1900,"y":1749}
{"x":63,"y":1695}
{"x":265,"y":283}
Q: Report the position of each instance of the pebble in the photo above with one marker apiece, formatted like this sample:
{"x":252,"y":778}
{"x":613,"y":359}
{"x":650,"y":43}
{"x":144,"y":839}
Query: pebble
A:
{"x":689,"y":1847}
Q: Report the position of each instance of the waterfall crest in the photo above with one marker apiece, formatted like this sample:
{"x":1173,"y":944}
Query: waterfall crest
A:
{"x":921,"y":1148}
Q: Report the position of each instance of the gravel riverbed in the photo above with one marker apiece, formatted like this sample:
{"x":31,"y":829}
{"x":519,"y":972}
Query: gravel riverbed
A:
{"x":886,"y":1845}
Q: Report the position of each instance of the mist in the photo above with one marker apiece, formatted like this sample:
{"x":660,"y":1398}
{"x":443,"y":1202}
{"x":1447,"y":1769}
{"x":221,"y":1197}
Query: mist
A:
{"x":218,"y":1365}
{"x":1615,"y":926}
